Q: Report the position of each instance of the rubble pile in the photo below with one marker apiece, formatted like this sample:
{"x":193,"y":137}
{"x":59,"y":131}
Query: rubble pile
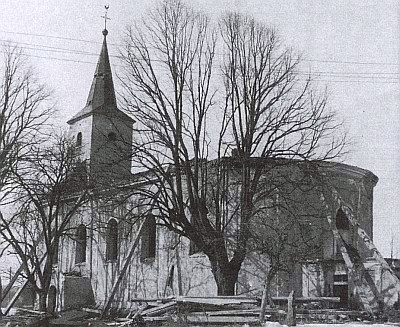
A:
{"x":220,"y":310}
{"x":196,"y":311}
{"x":229,"y":309}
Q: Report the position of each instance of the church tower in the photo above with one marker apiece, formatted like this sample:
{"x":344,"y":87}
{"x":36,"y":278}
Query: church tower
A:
{"x":102,"y":132}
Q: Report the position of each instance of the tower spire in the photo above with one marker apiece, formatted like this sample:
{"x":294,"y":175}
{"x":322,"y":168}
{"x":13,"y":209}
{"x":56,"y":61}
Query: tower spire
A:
{"x":102,"y":90}
{"x":101,"y":95}
{"x":103,"y":133}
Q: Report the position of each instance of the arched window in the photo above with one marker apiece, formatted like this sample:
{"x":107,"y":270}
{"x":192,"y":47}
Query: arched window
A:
{"x":112,"y":136}
{"x":148,"y":239}
{"x":79,"y":139}
{"x":80,"y":247}
{"x":342,"y":222}
{"x":112,"y":240}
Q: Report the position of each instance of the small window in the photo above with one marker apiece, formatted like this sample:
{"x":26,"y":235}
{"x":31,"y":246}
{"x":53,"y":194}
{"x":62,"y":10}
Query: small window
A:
{"x":79,"y":139}
{"x":148,"y":239}
{"x":112,"y":240}
{"x":80,"y":250}
{"x":112,"y":136}
{"x":342,"y":222}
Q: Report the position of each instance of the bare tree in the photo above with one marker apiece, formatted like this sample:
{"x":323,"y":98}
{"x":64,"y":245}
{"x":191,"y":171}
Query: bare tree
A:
{"x":24,"y":110}
{"x":270,"y":113}
{"x":288,"y":225}
{"x":167,"y":88}
{"x":267,"y":112}
{"x":50,"y":188}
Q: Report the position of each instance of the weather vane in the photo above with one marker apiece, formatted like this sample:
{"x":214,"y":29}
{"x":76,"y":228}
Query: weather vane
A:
{"x":106,"y":17}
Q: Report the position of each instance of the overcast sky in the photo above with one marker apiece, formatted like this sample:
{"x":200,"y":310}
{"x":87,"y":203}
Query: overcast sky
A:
{"x":351,"y":45}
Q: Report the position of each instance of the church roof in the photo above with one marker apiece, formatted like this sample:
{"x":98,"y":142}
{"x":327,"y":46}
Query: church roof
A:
{"x":101,"y":97}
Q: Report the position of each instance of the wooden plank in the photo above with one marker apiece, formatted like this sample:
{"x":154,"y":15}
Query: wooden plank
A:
{"x":333,"y":299}
{"x":159,"y":310}
{"x":153,"y":299}
{"x":96,"y":311}
{"x":31,"y":311}
{"x":220,"y":319}
{"x":333,"y":311}
{"x":157,"y":319}
{"x":216,"y":300}
{"x":248,"y":312}
{"x":138,"y":313}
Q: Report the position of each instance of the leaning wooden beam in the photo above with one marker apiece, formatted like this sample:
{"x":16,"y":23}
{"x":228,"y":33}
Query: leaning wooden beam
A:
{"x":11,"y":283}
{"x":15,"y":297}
{"x":21,"y":267}
{"x":19,"y":291}
{"x":351,"y":268}
{"x":123,"y":271}
{"x":19,"y":271}
{"x":159,"y":310}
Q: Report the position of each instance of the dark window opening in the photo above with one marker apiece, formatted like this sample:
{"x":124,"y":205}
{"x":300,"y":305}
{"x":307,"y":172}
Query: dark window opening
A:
{"x":148,"y":239}
{"x":80,"y":250}
{"x":195,"y":220}
{"x":79,"y":139}
{"x":112,"y":136}
{"x":342,"y":222}
{"x":194,"y":248}
{"x":112,"y":240}
{"x":54,"y":257}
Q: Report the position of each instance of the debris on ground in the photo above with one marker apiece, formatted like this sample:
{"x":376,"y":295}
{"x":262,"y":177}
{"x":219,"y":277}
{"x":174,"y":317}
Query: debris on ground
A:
{"x":25,"y":318}
{"x":219,"y":310}
{"x":186,"y":310}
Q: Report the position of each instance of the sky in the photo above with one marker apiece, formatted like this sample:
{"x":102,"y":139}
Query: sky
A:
{"x":352,"y":47}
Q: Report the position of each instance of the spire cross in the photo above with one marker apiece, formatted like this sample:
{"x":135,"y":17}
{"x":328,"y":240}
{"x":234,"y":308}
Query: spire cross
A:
{"x":106,"y":17}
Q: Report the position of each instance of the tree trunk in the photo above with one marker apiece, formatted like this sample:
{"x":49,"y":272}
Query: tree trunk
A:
{"x":226,"y":283}
{"x":225,"y":273}
{"x":42,"y":301}
{"x":291,"y":314}
{"x":266,"y":296}
{"x":1,"y":296}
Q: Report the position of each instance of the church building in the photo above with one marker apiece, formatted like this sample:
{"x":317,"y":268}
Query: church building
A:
{"x":106,"y":262}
